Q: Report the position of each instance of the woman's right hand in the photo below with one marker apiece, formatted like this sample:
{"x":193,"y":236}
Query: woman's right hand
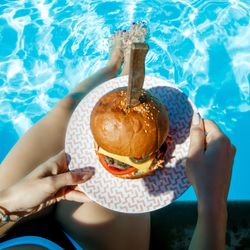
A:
{"x":209,"y":163}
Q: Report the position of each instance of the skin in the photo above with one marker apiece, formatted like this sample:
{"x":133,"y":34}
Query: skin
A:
{"x":92,"y":226}
{"x":51,"y":182}
{"x":209,"y":169}
{"x":209,"y":166}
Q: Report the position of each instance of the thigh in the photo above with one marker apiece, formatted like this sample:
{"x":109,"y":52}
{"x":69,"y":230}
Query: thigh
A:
{"x":46,"y":138}
{"x":95,"y":227}
{"x":40,"y":142}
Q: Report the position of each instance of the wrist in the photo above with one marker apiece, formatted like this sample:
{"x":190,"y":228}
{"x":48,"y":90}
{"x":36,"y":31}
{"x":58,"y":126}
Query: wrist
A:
{"x":6,"y":202}
{"x":217,"y":208}
{"x":6,"y":213}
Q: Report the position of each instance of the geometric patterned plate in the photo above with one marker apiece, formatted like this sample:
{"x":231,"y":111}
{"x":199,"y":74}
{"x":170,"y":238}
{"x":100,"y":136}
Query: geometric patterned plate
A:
{"x":139,"y":195}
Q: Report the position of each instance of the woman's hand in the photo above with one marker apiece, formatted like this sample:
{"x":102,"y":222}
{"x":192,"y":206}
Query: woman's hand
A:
{"x":209,"y":169}
{"x":210,"y":161}
{"x":47,"y":184}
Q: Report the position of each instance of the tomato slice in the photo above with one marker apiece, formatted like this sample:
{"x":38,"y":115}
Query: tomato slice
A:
{"x":114,"y":170}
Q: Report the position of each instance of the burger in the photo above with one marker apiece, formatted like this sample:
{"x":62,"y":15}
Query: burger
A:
{"x":129,"y":141}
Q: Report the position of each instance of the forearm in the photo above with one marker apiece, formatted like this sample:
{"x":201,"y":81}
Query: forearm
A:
{"x":210,"y":229}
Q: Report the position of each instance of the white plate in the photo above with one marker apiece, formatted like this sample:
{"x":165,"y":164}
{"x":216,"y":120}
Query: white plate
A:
{"x":140,"y":195}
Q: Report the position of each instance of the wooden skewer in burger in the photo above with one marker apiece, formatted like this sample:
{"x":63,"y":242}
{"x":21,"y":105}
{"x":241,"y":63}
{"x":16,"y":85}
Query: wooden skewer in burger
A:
{"x":130,"y":126}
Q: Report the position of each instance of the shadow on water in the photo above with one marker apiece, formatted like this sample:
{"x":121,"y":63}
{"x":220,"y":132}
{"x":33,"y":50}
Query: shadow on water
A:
{"x":172,"y":177}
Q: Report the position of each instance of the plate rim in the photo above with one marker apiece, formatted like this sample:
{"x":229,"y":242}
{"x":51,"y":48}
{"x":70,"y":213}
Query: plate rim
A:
{"x":165,"y":83}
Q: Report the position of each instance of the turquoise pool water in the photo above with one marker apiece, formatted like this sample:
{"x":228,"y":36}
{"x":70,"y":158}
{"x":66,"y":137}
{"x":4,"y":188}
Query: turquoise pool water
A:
{"x":47,"y":47}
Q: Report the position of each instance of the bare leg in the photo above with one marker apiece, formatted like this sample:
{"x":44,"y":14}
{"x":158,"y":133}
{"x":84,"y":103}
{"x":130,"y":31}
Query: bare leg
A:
{"x":88,"y":223}
{"x":46,"y":138}
{"x":95,"y":227}
{"x":125,"y":69}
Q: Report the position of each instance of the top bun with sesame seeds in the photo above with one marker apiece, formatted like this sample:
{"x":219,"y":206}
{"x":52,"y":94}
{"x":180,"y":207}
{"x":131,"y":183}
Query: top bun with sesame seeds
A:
{"x":136,"y":131}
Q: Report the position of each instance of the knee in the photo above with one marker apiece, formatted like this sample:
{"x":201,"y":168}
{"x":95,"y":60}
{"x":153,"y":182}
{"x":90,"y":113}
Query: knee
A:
{"x":90,"y":222}
{"x":67,"y":103}
{"x":70,"y":102}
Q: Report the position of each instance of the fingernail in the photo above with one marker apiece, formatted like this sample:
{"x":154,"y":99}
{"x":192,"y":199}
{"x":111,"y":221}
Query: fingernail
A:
{"x":84,"y":173}
{"x":196,"y":119}
{"x":86,"y":177}
{"x":68,"y":158}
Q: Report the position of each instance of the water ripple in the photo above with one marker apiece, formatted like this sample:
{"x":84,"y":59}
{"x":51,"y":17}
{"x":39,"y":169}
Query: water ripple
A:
{"x":47,"y":47}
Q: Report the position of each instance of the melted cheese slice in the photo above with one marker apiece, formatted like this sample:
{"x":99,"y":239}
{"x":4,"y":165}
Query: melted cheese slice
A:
{"x":141,"y":166}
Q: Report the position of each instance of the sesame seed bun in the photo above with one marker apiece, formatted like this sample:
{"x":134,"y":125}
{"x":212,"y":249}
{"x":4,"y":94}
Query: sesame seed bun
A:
{"x":136,"y":132}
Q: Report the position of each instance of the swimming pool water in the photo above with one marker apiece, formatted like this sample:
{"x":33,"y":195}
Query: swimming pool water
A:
{"x":47,"y":47}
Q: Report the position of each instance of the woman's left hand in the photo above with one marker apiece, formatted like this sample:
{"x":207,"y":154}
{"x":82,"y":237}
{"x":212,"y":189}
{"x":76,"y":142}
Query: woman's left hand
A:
{"x":49,"y":183}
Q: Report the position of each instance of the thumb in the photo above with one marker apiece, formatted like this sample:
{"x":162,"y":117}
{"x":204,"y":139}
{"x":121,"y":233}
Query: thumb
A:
{"x":197,"y":136}
{"x":74,"y":195}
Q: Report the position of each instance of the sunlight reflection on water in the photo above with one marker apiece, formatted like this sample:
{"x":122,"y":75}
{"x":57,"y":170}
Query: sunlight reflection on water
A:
{"x":47,"y":47}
